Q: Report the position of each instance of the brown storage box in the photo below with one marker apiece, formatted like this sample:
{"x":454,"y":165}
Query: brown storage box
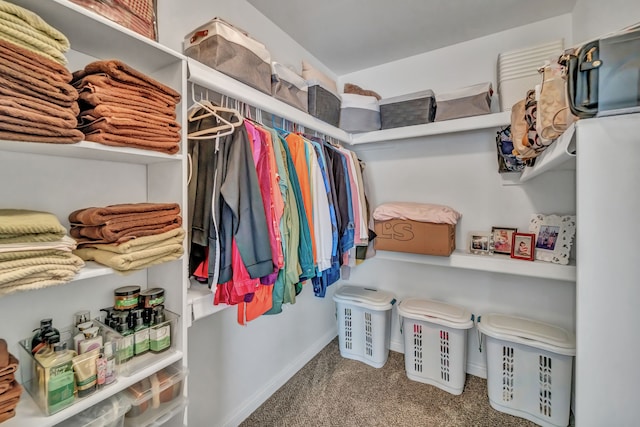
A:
{"x":403,"y":235}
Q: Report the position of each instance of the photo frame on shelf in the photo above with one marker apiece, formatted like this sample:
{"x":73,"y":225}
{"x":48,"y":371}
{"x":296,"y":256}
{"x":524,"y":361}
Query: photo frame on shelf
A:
{"x":502,"y":238}
{"x":554,"y":237}
{"x":480,"y":243}
{"x":522,"y":246}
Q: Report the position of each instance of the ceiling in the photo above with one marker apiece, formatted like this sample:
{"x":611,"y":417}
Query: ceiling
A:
{"x":351,"y":35}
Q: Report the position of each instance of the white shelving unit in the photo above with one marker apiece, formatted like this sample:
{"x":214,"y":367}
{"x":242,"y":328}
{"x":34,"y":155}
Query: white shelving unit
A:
{"x":464,"y":124}
{"x":60,"y":178}
{"x":494,"y":264}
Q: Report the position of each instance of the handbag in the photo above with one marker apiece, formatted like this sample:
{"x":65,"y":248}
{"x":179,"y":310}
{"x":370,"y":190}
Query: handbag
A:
{"x":554,"y":116}
{"x":519,"y":130}
{"x":507,"y":161}
{"x":581,"y":66}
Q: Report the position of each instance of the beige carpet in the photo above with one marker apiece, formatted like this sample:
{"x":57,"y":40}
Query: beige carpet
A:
{"x":333,"y":391}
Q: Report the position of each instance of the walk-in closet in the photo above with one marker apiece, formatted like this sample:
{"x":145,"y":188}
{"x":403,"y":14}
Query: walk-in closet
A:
{"x":135,"y":231}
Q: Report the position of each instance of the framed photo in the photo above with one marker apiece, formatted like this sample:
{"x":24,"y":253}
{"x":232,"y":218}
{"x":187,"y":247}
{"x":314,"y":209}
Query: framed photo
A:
{"x":554,"y":237}
{"x":480,"y":243}
{"x":502,"y":238}
{"x":522,"y":246}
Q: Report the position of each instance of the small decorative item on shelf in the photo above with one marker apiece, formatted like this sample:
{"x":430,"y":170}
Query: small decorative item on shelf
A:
{"x":480,"y":243}
{"x":554,"y":237}
{"x":502,"y":238}
{"x":522,"y":246}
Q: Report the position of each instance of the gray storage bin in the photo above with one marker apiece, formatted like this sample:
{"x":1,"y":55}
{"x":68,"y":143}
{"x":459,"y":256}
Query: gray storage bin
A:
{"x":407,"y":110}
{"x":231,"y":51}
{"x":324,"y":104}
{"x":289,"y":87}
{"x":359,"y":113}
{"x":465,"y":102}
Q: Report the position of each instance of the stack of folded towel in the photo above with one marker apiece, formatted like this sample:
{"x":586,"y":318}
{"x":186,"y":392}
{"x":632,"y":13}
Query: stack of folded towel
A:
{"x":129,"y":237}
{"x":35,"y":251}
{"x":37,"y":102}
{"x":10,"y":390}
{"x":123,"y":107}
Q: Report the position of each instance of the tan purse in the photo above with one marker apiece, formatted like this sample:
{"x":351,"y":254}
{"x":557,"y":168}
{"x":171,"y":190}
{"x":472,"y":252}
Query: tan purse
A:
{"x":519,"y":133}
{"x":554,"y":116}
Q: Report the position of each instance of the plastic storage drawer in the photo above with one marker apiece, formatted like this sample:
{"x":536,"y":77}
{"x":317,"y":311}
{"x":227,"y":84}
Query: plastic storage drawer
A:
{"x":157,"y":397}
{"x":435,"y":342}
{"x":364,"y":323}
{"x":108,"y":413}
{"x":529,"y":368}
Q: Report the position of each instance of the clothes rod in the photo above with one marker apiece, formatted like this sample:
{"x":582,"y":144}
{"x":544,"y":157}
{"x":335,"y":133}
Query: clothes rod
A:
{"x":216,"y":81}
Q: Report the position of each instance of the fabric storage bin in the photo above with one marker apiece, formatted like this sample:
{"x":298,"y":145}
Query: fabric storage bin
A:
{"x":136,"y":15}
{"x":108,"y":413}
{"x":468,"y":101}
{"x":518,"y":71}
{"x":435,"y":342}
{"x":359,"y":113}
{"x":364,"y":323}
{"x":323,"y":103}
{"x":529,"y":368}
{"x":157,"y":396}
{"x":231,"y":51}
{"x":289,"y":87}
{"x":408,"y":110}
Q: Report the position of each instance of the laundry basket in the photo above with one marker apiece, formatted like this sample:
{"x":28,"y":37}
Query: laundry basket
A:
{"x":364,"y":323}
{"x":529,"y":368}
{"x":435,"y":342}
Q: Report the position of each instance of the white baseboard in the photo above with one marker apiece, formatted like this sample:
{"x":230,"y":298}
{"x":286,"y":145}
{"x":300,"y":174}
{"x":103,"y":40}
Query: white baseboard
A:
{"x":475,"y":369}
{"x":260,"y":396}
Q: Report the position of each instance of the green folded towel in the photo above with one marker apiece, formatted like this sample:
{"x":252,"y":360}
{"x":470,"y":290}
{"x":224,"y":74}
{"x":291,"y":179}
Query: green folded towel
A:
{"x":23,"y":226}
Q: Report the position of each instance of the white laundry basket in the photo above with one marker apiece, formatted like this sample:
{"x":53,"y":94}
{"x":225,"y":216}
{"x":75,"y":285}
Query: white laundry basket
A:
{"x":529,"y":368}
{"x":364,"y":323}
{"x":435,"y":342}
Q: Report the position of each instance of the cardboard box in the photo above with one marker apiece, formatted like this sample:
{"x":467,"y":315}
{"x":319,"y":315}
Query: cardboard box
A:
{"x":403,"y":235}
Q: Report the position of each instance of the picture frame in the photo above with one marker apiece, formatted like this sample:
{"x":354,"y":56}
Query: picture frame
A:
{"x":480,"y":243}
{"x":523,"y":245}
{"x":502,"y":238}
{"x":554,"y":237}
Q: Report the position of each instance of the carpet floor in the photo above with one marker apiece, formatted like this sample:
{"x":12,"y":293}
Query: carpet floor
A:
{"x":333,"y":391}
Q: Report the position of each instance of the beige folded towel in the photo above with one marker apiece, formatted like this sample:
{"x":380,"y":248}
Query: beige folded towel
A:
{"x":135,"y":260}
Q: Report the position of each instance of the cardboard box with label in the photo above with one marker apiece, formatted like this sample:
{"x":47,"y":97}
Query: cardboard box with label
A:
{"x":403,"y":235}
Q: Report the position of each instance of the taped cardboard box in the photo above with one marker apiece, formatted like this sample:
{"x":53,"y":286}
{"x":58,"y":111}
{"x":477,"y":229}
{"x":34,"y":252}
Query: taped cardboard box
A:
{"x":404,"y":235}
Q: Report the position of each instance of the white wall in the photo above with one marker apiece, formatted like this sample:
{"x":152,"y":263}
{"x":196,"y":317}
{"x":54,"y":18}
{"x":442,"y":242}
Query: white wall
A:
{"x":235,"y":368}
{"x":459,"y":65}
{"x":461,"y":171}
{"x":592,"y":18}
{"x":177,"y":20}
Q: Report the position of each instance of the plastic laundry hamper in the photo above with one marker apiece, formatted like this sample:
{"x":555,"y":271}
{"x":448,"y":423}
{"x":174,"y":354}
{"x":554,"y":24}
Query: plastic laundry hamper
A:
{"x":364,"y":323}
{"x":529,"y":368}
{"x":435,"y":342}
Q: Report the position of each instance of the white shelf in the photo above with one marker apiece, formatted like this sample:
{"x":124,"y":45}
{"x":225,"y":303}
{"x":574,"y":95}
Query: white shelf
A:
{"x":560,"y":155}
{"x":100,"y":37}
{"x":209,"y":78}
{"x":90,"y":151}
{"x":29,"y":414}
{"x":465,"y":124}
{"x":495,"y":264}
{"x":200,"y":302}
